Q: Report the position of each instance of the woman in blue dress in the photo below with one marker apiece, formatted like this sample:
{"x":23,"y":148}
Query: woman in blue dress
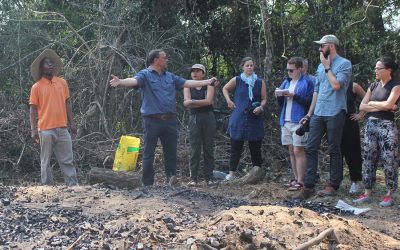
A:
{"x":246,"y":122}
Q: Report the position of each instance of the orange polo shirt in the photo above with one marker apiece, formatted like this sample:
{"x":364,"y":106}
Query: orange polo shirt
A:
{"x":50,"y":99}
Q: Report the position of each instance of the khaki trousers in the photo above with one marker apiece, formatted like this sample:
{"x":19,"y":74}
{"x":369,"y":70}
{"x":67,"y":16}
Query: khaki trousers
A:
{"x":57,"y":140}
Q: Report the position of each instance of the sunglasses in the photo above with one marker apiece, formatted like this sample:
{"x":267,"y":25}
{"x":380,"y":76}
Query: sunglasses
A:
{"x":378,"y":69}
{"x":290,"y":70}
{"x":323,"y":45}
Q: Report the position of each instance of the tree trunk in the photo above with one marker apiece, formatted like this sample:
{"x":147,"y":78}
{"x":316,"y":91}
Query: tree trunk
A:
{"x":374,"y":15}
{"x":266,"y":19}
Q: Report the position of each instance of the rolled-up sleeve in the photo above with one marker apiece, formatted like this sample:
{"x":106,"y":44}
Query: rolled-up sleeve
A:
{"x":141,"y":78}
{"x":343,"y":73}
{"x":179,"y":81}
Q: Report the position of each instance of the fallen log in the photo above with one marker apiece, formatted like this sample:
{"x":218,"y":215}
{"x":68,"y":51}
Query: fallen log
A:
{"x":120,"y":179}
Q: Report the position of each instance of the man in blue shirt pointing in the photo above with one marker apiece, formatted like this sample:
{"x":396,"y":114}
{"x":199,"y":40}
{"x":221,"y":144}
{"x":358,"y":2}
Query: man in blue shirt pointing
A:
{"x":159,"y":87}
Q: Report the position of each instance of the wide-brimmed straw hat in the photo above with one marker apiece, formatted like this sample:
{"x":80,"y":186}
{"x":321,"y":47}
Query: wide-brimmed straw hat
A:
{"x":47,"y":53}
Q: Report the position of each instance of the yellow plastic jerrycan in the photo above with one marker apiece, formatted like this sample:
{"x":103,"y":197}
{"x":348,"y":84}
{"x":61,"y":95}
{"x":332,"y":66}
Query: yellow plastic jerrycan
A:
{"x":126,"y":154}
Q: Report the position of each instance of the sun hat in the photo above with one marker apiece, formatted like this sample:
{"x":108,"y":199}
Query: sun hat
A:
{"x":199,"y":66}
{"x":47,"y":53}
{"x":328,"y":39}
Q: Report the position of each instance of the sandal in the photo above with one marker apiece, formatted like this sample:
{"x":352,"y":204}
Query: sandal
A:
{"x":290,"y":183}
{"x":295,"y":187}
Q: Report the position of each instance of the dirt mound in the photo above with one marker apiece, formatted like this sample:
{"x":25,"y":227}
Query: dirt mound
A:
{"x":286,"y":228}
{"x":100,"y":217}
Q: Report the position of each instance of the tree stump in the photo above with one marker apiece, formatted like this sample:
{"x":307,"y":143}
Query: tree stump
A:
{"x":129,"y":180}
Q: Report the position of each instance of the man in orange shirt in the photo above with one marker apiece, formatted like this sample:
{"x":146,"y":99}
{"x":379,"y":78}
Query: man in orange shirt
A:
{"x":50,"y":113}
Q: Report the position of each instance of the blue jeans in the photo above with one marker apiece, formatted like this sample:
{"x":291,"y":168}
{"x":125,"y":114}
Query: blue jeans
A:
{"x":165,"y":130}
{"x":332,"y":126}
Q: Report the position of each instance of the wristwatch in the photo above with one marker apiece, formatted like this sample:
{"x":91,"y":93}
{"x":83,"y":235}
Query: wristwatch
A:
{"x":326,"y":70}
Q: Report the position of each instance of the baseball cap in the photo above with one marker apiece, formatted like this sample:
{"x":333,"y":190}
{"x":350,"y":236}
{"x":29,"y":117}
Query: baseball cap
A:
{"x":328,"y":39}
{"x":199,"y":66}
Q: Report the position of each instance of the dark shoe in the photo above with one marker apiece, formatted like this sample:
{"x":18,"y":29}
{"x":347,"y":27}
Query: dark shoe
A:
{"x":173,"y":181}
{"x":327,"y":191}
{"x":145,"y":188}
{"x":304,"y":194}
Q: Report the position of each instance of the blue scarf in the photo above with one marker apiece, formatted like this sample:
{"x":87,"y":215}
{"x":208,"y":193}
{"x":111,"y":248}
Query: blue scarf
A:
{"x":250,"y":81}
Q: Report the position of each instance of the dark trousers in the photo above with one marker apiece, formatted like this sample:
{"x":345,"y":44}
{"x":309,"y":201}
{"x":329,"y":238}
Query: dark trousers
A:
{"x":333,"y":127}
{"x":351,"y":148}
{"x":236,"y":153}
{"x":165,"y":130}
{"x":202,"y":128}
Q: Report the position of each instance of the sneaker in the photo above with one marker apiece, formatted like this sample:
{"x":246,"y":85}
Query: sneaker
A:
{"x":211,"y":183}
{"x":327,"y":191}
{"x":230,"y":177}
{"x":354,"y":188}
{"x":192,"y":183}
{"x":362,"y":199}
{"x":304,"y":194}
{"x":173,"y":181}
{"x":387,"y":201}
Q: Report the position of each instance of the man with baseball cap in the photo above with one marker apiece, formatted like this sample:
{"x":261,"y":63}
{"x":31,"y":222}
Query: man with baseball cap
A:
{"x":50,"y":114}
{"x":327,"y":115}
{"x":202,"y":126}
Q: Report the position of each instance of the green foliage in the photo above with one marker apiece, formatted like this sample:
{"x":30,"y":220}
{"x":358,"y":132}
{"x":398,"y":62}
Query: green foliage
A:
{"x":98,"y":37}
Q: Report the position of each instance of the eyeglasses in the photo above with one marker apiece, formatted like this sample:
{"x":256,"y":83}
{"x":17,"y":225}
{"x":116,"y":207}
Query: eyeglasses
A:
{"x":378,"y":69}
{"x":323,"y":45}
{"x":290,"y":70}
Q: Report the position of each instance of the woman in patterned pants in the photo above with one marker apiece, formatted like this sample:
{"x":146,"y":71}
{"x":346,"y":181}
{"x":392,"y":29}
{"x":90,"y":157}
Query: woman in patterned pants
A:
{"x":380,"y":139}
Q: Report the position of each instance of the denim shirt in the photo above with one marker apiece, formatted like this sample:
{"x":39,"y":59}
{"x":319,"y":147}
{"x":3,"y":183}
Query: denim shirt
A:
{"x":329,"y":101}
{"x":158,"y":91}
{"x":302,"y":98}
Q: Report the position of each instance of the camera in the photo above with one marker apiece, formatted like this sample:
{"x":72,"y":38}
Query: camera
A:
{"x":304,"y":127}
{"x":251,"y":107}
{"x":254,"y":105}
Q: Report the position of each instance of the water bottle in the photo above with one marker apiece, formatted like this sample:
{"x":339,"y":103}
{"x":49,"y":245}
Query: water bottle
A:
{"x":219,"y":175}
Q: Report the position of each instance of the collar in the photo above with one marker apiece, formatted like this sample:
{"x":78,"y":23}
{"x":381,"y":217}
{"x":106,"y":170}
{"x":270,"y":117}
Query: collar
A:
{"x":151,"y":69}
{"x":46,"y":80}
